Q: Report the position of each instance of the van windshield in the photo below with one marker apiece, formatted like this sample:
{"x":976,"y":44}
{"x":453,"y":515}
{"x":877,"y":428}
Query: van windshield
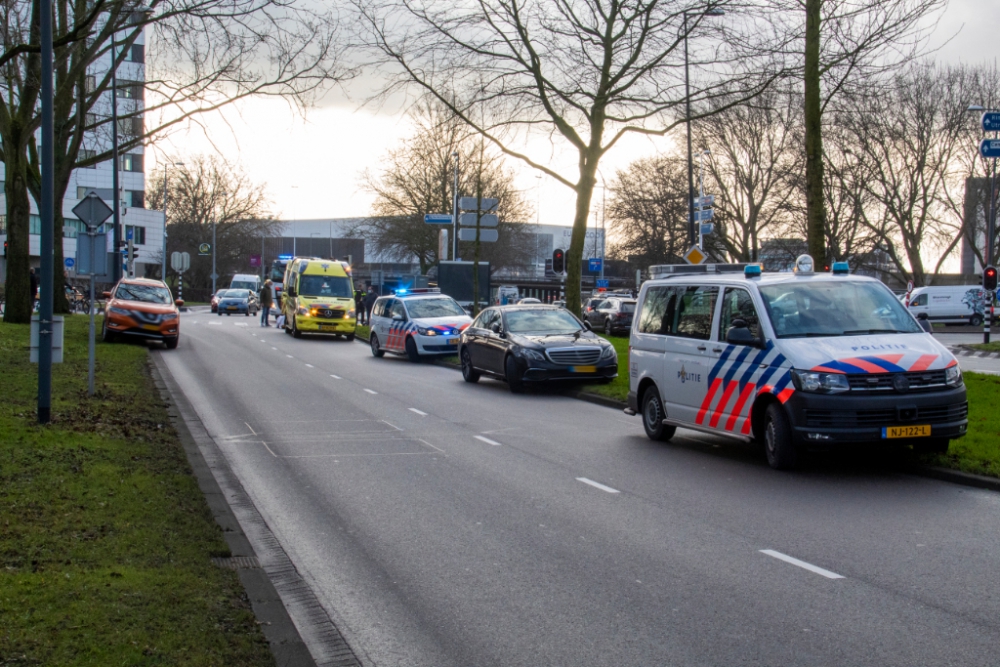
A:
{"x":244,"y":284}
{"x":325,"y":286}
{"x":835,"y":308}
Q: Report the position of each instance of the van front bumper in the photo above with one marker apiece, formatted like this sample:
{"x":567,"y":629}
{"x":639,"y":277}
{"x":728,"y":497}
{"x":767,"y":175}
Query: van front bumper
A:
{"x":824,"y":419}
{"x":320,"y":325}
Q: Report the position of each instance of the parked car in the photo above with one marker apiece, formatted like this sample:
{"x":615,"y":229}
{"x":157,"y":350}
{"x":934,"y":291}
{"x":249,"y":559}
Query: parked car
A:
{"x":215,"y":299}
{"x":417,"y":322}
{"x":611,"y":316}
{"x":142,"y":308}
{"x":236,"y":301}
{"x":526,"y":344}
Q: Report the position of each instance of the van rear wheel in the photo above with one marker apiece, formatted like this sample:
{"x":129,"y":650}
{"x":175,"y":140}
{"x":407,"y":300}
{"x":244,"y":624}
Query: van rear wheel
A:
{"x":653,"y":415}
{"x":778,"y":445}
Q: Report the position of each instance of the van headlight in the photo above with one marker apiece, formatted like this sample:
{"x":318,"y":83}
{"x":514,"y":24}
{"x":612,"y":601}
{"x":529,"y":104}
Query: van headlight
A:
{"x":424,"y":331}
{"x":349,"y":315}
{"x":820,"y":383}
{"x":953,"y":376}
{"x":302,"y":311}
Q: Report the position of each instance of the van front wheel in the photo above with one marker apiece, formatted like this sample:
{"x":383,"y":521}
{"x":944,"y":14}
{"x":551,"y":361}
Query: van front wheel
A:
{"x":653,"y":415}
{"x":778,"y":445}
{"x":976,"y":320}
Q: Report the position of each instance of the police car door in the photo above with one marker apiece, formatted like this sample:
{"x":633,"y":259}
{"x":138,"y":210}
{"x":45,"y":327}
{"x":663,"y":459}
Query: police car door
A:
{"x":647,"y":341}
{"x":397,"y":327}
{"x":690,"y":352}
{"x":380,"y":319}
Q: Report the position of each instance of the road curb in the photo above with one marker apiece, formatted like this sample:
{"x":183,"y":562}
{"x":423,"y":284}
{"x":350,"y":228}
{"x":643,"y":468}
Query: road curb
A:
{"x":262,"y":574}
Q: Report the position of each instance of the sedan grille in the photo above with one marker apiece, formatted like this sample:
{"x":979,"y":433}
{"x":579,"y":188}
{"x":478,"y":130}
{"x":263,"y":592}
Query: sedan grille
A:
{"x":570,"y":356}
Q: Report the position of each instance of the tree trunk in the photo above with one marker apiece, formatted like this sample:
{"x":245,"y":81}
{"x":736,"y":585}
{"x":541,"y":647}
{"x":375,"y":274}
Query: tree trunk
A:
{"x":18,"y":282}
{"x":574,"y":258}
{"x":813,"y":121}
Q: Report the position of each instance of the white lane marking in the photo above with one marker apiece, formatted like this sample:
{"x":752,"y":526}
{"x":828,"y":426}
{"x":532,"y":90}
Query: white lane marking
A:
{"x":419,"y":412}
{"x":371,"y":392}
{"x":241,"y":324}
{"x":310,"y":366}
{"x":268,"y":449}
{"x":488,"y":441}
{"x":392,"y":425}
{"x":216,"y":323}
{"x":597,"y":485}
{"x":335,"y":377}
{"x":251,"y":428}
{"x":801,"y":563}
{"x":289,"y":356}
{"x":262,"y":340}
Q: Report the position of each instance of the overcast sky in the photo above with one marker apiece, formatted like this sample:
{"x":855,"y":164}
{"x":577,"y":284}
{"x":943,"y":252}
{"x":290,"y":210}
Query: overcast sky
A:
{"x":311,"y":166}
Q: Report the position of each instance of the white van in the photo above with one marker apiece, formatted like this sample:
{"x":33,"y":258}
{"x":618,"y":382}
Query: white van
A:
{"x":792,"y":360}
{"x":957,"y":304}
{"x":246,"y":281}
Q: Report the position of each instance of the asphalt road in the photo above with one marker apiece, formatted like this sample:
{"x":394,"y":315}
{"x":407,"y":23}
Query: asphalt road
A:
{"x":446,"y":524}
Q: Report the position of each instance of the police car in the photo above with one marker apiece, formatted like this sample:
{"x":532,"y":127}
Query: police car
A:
{"x":417,"y":322}
{"x":792,"y":360}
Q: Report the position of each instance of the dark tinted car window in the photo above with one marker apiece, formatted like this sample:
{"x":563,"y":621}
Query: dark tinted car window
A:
{"x":658,"y":309}
{"x":628,"y":307}
{"x":738,"y":305}
{"x":694,"y":313}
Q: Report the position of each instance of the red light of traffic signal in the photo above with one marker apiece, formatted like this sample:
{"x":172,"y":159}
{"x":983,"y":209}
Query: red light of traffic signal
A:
{"x":990,"y":278}
{"x":558,"y":260}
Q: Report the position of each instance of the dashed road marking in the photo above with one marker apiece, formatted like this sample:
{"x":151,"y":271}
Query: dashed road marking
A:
{"x":289,"y":356}
{"x":218,"y":324}
{"x":419,"y":412}
{"x":310,"y":366}
{"x":488,"y":441}
{"x":274,"y":348}
{"x":597,"y":485}
{"x":801,"y":563}
{"x":335,"y":377}
{"x":371,"y":392}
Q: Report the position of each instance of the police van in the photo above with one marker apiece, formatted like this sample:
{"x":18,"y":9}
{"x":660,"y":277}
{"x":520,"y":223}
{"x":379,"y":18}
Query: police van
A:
{"x":792,"y":360}
{"x":417,"y":322}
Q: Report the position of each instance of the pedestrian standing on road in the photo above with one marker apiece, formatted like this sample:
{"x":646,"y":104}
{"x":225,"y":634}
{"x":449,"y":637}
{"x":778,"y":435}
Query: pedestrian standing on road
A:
{"x":33,"y":280}
{"x":266,"y":301}
{"x":359,"y":306}
{"x":370,"y":299}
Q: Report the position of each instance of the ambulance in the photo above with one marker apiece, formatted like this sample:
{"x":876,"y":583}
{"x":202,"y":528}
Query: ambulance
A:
{"x":792,"y":360}
{"x":319,"y":298}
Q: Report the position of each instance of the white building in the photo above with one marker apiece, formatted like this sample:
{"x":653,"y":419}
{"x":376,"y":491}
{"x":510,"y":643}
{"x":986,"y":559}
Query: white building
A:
{"x":145,"y":226}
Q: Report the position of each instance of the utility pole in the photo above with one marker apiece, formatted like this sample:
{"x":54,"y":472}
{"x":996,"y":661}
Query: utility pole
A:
{"x":45,"y":209}
{"x":454,"y":211}
{"x":116,"y":235}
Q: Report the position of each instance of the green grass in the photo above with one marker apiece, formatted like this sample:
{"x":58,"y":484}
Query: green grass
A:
{"x":617,"y":388}
{"x":362,"y":331}
{"x":992,"y":346}
{"x":979,"y":451}
{"x":105,"y":538}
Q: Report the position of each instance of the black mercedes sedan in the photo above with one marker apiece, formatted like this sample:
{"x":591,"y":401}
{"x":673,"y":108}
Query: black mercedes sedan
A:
{"x":534,"y":343}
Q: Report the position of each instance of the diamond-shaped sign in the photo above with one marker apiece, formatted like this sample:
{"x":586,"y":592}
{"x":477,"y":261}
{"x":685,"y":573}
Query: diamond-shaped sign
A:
{"x":694,"y":255}
{"x":92,"y":210}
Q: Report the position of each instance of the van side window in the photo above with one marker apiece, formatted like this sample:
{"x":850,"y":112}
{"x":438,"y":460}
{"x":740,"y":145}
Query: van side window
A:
{"x":737,"y":304}
{"x":696,"y":306}
{"x":921,"y":300}
{"x":652,"y":319}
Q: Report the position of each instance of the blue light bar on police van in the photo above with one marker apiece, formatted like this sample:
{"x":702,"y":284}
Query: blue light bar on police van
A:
{"x":751,"y":271}
{"x":841,"y":268}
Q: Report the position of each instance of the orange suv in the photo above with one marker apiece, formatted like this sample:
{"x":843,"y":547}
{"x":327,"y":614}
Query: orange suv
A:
{"x":144,"y":309}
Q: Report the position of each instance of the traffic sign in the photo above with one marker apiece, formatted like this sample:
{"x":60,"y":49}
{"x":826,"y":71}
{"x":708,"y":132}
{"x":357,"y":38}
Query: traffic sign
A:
{"x":706,"y":228}
{"x":92,"y":210}
{"x":602,"y":282}
{"x":704,"y":200}
{"x":255,"y":261}
{"x":129,"y":233}
{"x":485,"y":220}
{"x":702,"y":216}
{"x":990,"y":148}
{"x":69,"y":262}
{"x":484,"y":204}
{"x":485,"y":235}
{"x":594,"y":264}
{"x":694,"y":255}
{"x":438,"y":219}
{"x":180,"y":261}
{"x":991,"y":121}
{"x":205,"y":249}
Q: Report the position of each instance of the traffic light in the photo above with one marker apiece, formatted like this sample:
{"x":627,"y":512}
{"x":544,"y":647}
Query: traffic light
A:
{"x":990,"y":278}
{"x":558,"y":260}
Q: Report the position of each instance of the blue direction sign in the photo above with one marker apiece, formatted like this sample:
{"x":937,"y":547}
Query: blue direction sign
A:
{"x":594,"y":264}
{"x":990,"y":148}
{"x":437,"y":219}
{"x":702,"y":216}
{"x":69,"y":262}
{"x":991,"y":121}
{"x":602,"y":283}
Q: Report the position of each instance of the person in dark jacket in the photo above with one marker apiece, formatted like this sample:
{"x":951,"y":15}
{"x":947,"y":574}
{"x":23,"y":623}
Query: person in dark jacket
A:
{"x":359,"y":306}
{"x":266,"y":302}
{"x":370,"y":299}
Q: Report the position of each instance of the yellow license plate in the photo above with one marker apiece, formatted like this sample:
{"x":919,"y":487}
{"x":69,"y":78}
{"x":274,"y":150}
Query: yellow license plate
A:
{"x":452,"y":341}
{"x":922,"y":431}
{"x":150,"y":327}
{"x":583,"y":369}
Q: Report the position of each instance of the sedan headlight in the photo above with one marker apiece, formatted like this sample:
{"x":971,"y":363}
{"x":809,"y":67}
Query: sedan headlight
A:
{"x":608,"y":352}
{"x":119,"y":311}
{"x":528,"y":353}
{"x":820,"y":383}
{"x":953,"y":376}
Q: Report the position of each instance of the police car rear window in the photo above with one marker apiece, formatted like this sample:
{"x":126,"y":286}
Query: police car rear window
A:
{"x":814,"y":309}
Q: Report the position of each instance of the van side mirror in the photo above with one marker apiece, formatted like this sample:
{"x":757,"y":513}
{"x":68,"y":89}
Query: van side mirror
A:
{"x":738,"y":335}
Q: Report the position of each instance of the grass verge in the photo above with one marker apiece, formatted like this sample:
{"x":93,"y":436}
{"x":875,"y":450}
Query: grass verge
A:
{"x":992,"y":346}
{"x":106,"y":539}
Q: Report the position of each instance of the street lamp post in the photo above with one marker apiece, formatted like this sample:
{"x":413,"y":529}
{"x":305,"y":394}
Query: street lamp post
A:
{"x":454,"y":212}
{"x":687,"y":103}
{"x":116,"y":234}
{"x":163,"y":264}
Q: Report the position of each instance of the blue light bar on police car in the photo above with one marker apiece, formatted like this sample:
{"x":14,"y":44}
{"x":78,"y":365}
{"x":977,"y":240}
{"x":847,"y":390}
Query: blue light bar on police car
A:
{"x":751,"y":271}
{"x":841,"y":268}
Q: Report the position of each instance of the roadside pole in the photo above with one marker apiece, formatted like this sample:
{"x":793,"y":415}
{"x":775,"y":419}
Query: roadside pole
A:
{"x":92,"y":211}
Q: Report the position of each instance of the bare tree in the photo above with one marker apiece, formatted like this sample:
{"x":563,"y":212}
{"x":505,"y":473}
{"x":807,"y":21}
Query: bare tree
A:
{"x":418,"y":179}
{"x":207,"y":190}
{"x":755,"y":157}
{"x":204,"y":54}
{"x":587,"y":72}
{"x":648,"y":212}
